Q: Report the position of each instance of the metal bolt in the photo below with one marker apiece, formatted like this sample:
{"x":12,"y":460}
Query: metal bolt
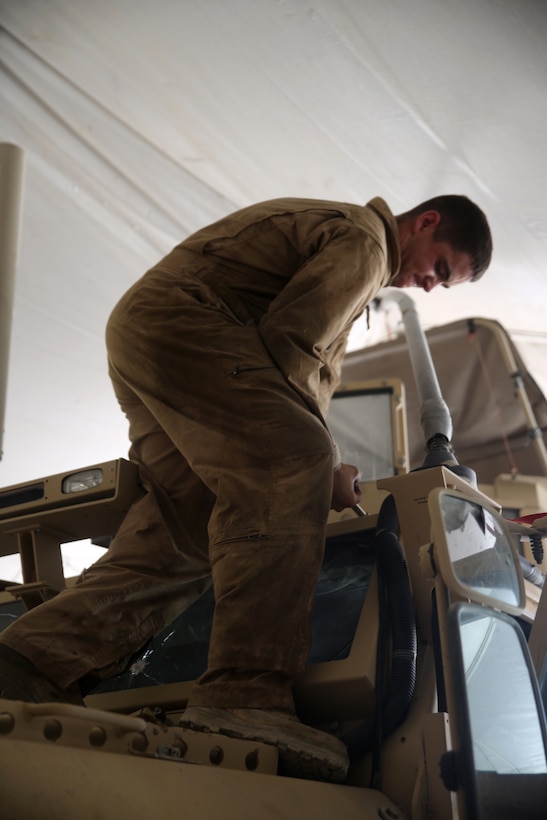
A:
{"x":216,"y":755}
{"x":7,"y":722}
{"x":97,"y":736}
{"x":52,"y":729}
{"x":251,"y":760}
{"x":139,"y":743}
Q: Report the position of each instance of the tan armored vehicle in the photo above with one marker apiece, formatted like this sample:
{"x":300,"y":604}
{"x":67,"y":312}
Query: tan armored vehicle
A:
{"x":430,"y":632}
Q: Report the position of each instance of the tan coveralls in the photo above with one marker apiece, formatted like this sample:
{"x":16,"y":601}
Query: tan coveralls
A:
{"x":224,"y":357}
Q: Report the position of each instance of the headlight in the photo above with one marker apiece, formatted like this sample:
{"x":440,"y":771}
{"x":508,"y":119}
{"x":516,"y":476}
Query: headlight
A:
{"x":86,"y":480}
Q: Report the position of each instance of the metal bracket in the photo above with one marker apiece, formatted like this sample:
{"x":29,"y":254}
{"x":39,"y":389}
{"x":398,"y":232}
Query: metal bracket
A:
{"x":41,"y":564}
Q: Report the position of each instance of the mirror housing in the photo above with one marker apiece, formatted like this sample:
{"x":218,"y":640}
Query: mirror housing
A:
{"x":501,"y":762}
{"x":474,"y":551}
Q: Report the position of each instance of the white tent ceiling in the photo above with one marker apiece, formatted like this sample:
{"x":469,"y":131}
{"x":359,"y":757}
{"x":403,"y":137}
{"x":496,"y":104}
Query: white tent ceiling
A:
{"x":142,"y":121}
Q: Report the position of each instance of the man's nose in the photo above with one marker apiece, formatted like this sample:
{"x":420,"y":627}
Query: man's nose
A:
{"x":429,"y":282}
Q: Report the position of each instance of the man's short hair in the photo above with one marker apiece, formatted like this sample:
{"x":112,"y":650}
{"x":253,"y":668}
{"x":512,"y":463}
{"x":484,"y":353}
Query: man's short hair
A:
{"x":463,"y":225}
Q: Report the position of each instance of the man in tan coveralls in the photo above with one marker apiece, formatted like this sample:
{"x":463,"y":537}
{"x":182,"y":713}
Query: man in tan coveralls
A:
{"x":224,"y":357}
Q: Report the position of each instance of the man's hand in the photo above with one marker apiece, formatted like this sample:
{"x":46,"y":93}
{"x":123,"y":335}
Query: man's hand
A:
{"x":345,"y":491}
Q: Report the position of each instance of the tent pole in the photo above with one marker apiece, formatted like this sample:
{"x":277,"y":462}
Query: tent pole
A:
{"x":11,"y":186}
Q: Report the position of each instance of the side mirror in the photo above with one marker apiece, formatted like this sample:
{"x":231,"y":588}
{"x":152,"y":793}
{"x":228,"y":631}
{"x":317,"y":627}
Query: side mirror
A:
{"x":501,"y":762}
{"x":475,"y":552}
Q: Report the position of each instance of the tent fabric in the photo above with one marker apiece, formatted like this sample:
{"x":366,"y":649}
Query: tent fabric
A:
{"x":491,"y":428}
{"x":141,"y":122}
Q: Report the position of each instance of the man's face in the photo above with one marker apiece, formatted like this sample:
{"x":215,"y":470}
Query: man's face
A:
{"x":425,"y":262}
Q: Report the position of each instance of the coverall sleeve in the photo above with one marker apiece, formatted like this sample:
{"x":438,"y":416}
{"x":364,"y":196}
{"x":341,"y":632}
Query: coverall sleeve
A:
{"x":306,"y":326}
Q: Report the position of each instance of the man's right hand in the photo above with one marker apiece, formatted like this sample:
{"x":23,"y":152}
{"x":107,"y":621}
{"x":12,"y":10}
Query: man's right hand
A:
{"x":345,"y":490}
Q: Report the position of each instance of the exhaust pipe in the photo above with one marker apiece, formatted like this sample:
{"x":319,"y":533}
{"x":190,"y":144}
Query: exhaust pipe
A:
{"x":435,"y":417}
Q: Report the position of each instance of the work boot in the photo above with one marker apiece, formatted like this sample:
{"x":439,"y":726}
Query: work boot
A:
{"x":21,"y":680}
{"x":303,"y":751}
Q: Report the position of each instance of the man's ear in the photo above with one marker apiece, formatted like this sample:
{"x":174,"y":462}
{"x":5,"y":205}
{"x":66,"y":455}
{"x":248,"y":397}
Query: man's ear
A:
{"x":426,"y":221}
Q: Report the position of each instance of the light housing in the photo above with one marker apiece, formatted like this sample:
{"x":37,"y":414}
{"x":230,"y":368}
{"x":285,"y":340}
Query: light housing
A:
{"x":83,"y":480}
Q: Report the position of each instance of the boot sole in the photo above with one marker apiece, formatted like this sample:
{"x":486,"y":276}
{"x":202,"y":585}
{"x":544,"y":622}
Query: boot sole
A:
{"x":297,"y":758}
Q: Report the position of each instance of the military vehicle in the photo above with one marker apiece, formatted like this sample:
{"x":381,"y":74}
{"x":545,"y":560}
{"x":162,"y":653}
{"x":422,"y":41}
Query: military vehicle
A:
{"x":430,"y":631}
